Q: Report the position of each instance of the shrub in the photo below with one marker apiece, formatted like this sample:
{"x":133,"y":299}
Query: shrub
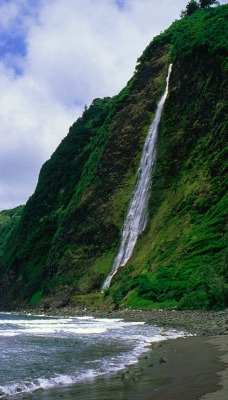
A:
{"x":36,"y":298}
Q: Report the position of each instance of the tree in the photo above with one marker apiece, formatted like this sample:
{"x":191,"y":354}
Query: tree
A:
{"x":207,"y":3}
{"x":194,"y":5}
{"x":191,"y":7}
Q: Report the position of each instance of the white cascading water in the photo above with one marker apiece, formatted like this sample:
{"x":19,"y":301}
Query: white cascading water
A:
{"x":136,"y":218}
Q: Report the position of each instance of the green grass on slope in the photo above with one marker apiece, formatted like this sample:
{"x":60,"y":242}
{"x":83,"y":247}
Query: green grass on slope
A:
{"x":181,"y":258}
{"x":8,"y":221}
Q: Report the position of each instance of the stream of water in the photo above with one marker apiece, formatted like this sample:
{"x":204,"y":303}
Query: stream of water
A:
{"x":136,"y":218}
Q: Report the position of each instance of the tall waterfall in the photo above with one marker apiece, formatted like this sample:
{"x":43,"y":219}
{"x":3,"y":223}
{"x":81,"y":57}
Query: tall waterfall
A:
{"x":136,"y":218}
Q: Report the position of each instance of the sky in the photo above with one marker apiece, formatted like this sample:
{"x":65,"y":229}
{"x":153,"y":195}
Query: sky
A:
{"x":55,"y":57}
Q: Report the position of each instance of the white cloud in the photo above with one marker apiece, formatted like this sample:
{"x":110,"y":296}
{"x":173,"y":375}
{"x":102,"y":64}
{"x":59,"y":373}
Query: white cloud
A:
{"x":66,"y":53}
{"x":8,"y":13}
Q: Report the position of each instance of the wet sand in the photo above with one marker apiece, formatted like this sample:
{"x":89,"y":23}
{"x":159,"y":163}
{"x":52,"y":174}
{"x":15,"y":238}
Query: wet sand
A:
{"x":189,"y":368}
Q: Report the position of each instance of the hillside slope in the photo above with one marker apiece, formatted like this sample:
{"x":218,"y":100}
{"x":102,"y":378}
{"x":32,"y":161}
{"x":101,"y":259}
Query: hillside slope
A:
{"x":8,"y":220}
{"x":64,"y":246}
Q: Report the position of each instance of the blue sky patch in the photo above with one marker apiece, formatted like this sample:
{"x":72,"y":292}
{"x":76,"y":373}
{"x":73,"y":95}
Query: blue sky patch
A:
{"x":120,"y":3}
{"x":13,"y":36}
{"x":12,"y":46}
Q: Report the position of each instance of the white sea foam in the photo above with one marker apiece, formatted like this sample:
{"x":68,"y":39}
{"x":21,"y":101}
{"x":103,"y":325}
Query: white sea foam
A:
{"x":35,"y":321}
{"x":9,"y":333}
{"x":5,"y":313}
{"x":74,"y":326}
{"x":135,"y":335}
{"x":42,"y":383}
{"x":114,"y":364}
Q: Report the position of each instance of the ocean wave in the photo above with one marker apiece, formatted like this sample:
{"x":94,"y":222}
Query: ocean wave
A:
{"x":123,"y":343}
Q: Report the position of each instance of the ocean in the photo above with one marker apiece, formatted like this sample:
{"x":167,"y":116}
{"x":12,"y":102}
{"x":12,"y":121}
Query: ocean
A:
{"x":40,"y":352}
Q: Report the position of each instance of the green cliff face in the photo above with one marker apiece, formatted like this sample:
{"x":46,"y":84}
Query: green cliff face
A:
{"x":8,"y":221}
{"x":69,"y":232}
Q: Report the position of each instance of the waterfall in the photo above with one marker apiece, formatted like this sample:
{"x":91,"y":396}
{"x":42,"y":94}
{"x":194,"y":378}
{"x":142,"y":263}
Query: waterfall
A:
{"x":136,"y":218}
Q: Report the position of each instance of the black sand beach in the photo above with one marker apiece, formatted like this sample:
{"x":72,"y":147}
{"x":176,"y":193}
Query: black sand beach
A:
{"x":188,"y":368}
{"x":179,"y":369}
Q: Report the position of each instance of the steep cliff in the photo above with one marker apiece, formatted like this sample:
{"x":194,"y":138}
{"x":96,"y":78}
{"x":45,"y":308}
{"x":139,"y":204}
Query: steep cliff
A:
{"x":8,"y":221}
{"x":64,"y":245}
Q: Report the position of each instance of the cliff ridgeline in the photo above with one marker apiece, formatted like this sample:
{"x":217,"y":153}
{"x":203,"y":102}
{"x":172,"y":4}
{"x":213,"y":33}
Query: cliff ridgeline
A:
{"x":59,"y":249}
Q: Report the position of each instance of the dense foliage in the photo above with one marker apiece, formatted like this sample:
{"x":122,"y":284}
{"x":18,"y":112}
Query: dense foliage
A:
{"x":65,"y":243}
{"x":194,"y":5}
{"x":8,"y":221}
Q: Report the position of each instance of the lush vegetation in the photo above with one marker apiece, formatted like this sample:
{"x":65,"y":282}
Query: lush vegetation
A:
{"x":194,"y":5}
{"x":63,"y":247}
{"x":182,"y":256}
{"x":8,"y":221}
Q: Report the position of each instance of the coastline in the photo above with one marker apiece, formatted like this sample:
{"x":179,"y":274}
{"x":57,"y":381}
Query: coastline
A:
{"x":196,"y":322}
{"x":191,"y":368}
{"x":176,"y":369}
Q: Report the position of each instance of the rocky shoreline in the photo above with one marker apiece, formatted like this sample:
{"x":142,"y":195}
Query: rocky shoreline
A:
{"x":197,"y":322}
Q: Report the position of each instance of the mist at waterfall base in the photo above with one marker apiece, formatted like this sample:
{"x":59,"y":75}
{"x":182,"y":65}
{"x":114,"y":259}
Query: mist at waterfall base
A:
{"x":136,"y":218}
{"x":48,"y":352}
